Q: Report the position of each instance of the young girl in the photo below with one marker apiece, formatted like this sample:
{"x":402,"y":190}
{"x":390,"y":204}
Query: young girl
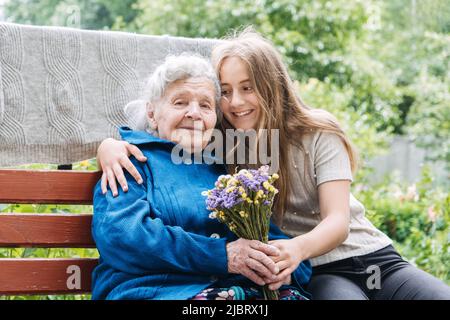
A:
{"x":351,"y":258}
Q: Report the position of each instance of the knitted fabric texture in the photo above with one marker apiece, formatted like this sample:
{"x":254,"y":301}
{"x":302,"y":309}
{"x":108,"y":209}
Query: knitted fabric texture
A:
{"x":62,"y":90}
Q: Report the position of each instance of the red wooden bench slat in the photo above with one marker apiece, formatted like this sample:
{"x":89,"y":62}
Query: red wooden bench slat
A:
{"x":21,"y":276}
{"x":45,"y":276}
{"x":47,"y":186}
{"x":46,"y":230}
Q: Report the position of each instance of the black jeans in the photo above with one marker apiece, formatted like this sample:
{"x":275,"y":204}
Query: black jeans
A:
{"x":381,"y":275}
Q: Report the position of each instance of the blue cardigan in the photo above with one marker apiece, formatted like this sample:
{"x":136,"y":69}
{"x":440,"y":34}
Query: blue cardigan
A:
{"x":156,"y":241}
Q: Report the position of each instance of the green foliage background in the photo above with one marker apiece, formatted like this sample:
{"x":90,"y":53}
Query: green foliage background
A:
{"x":382,"y":67}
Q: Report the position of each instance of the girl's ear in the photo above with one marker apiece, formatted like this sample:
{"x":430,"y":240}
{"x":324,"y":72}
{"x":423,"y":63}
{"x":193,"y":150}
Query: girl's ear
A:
{"x":151,"y":116}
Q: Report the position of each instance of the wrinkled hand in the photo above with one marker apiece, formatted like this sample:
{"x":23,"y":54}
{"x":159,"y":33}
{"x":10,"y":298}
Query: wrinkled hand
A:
{"x":250,"y":258}
{"x":112,"y":156}
{"x":289,"y":259}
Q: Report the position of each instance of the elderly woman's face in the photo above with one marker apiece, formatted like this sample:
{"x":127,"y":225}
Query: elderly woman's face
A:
{"x":185,"y":113}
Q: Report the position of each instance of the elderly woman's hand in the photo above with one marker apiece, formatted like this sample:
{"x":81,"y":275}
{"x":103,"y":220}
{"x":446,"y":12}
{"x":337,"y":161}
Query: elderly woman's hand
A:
{"x":251,"y":259}
{"x":112,"y":156}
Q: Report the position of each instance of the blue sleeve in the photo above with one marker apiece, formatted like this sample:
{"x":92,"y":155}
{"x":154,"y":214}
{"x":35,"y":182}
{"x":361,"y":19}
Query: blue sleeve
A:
{"x":130,"y":238}
{"x":302,"y":274}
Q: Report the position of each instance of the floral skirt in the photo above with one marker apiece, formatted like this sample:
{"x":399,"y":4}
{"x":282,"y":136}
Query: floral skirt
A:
{"x":245,"y":293}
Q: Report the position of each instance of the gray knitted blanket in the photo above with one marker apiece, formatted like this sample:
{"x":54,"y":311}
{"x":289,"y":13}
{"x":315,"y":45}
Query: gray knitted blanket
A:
{"x":62,"y":91}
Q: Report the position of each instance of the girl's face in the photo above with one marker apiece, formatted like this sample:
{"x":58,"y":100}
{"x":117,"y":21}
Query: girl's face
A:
{"x":239,"y":102}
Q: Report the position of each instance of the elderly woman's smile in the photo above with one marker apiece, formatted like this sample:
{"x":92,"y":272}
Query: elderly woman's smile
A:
{"x":185,"y":113}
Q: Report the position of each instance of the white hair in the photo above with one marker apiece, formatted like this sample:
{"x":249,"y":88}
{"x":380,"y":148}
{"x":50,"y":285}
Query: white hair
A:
{"x":174,"y":68}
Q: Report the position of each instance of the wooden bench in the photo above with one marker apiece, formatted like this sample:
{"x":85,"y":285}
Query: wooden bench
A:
{"x":25,"y":276}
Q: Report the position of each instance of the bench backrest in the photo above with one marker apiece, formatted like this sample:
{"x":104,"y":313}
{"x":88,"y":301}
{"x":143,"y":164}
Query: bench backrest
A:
{"x":42,"y":230}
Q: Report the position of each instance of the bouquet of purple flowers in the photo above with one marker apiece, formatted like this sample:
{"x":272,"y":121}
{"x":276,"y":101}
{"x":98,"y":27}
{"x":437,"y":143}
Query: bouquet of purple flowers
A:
{"x":243,"y":201}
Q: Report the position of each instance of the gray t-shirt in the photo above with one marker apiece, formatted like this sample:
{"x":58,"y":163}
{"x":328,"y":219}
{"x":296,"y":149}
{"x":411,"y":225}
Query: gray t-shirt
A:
{"x":327,"y":160}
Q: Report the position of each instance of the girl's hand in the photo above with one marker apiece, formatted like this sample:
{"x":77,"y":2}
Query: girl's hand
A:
{"x":289,"y":259}
{"x":250,"y":258}
{"x":112,"y":157}
{"x":276,"y":285}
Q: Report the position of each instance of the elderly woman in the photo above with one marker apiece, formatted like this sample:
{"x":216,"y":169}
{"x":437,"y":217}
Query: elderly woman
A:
{"x":156,"y":241}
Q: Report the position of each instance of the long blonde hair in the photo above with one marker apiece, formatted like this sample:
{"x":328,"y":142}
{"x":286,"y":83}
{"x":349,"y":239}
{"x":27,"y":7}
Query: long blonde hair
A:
{"x":281,"y":107}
